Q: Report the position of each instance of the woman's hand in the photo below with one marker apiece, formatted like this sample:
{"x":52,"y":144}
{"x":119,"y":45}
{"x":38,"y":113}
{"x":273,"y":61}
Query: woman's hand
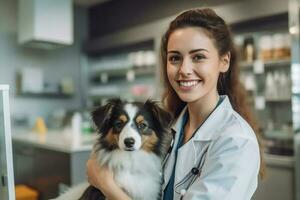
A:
{"x":102,"y":178}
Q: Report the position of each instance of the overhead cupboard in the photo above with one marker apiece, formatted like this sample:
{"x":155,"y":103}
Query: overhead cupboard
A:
{"x":126,"y":64}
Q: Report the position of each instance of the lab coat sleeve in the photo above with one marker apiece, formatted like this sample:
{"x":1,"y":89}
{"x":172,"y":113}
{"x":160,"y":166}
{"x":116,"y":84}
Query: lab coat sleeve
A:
{"x":230,"y":171}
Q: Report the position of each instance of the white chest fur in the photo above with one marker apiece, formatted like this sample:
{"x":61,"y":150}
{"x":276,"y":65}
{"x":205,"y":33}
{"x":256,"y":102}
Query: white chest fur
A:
{"x":137,"y":172}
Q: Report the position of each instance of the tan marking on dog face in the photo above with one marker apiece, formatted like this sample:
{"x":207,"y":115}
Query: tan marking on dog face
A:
{"x":112,"y":138}
{"x":149,"y":142}
{"x":139,"y":119}
{"x":123,"y":118}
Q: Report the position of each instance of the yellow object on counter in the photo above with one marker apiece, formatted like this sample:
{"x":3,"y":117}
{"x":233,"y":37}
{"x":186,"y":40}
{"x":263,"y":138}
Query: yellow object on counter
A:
{"x":23,"y":192}
{"x":40,"y":126}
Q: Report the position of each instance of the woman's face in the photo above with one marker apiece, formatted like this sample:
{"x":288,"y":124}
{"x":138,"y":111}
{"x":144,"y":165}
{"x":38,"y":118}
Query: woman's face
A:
{"x":193,"y":64}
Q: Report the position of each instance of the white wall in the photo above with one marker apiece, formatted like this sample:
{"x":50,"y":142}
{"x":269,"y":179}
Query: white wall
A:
{"x":55,"y":63}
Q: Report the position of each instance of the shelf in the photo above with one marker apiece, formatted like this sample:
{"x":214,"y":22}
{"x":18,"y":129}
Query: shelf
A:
{"x":138,"y":91}
{"x":285,"y":100}
{"x":267,"y":64}
{"x":246,"y":65}
{"x":117,"y":71}
{"x":279,"y":160}
{"x":278,"y":134}
{"x":45,"y":95}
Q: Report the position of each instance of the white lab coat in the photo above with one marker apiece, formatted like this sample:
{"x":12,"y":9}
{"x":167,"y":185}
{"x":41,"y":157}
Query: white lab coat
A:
{"x":231,"y":164}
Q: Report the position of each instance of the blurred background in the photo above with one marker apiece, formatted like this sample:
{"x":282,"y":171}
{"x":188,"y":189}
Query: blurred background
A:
{"x":61,"y":58}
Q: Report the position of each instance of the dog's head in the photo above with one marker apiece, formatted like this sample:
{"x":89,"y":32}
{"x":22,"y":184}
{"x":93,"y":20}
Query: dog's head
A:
{"x":132,"y":126}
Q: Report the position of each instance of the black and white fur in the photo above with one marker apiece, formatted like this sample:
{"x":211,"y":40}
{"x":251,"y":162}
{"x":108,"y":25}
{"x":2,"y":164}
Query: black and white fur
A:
{"x":133,"y":140}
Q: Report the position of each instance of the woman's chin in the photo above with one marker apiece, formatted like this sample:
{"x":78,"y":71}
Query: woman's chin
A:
{"x":188,"y":97}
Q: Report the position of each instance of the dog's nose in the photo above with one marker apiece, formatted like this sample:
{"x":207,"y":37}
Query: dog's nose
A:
{"x":129,"y":142}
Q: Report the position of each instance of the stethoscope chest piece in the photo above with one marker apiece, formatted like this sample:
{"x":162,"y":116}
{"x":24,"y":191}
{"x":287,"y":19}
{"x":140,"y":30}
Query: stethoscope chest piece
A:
{"x":195,"y":171}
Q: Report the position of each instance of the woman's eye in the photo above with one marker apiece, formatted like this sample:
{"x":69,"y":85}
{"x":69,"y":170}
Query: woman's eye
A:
{"x":174,"y":59}
{"x":141,"y":126}
{"x":198,"y":58}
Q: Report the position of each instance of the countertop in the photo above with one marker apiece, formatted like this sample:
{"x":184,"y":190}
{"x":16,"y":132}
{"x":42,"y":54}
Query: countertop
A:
{"x":62,"y":141}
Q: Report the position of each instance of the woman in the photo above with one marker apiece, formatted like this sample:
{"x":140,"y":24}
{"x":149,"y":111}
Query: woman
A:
{"x":216,"y":153}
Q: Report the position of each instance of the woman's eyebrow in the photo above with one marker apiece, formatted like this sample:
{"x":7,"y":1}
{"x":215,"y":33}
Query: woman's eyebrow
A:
{"x":190,"y":52}
{"x":173,"y":51}
{"x":196,"y":50}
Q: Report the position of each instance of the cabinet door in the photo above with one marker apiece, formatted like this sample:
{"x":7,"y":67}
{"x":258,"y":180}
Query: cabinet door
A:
{"x":50,"y":169}
{"x":41,"y":169}
{"x":23,"y":163}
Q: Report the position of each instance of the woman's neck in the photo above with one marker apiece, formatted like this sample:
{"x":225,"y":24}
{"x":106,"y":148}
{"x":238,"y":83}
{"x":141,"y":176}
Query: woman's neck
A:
{"x":200,"y":110}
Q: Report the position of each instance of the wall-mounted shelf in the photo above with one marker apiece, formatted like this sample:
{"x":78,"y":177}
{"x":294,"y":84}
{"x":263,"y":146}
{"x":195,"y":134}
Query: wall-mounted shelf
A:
{"x":267,"y":64}
{"x":266,"y":74}
{"x":45,"y":95}
{"x":283,"y":100}
{"x":121,"y":70}
{"x":132,"y":71}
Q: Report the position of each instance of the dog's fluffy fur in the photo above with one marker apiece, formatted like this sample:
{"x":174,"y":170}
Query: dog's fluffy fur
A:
{"x":133,"y":140}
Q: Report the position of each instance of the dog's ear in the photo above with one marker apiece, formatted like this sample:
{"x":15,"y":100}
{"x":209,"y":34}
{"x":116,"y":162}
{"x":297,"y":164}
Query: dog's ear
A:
{"x":160,"y":115}
{"x":102,"y":115}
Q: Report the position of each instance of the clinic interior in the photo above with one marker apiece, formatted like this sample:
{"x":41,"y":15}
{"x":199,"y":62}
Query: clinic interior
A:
{"x":110,"y":48}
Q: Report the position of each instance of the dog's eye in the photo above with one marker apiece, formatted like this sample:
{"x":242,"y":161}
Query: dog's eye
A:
{"x":141,"y":126}
{"x":118,"y":125}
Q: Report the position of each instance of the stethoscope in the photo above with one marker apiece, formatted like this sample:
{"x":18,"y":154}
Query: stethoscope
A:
{"x":169,"y":151}
{"x":194,"y":172}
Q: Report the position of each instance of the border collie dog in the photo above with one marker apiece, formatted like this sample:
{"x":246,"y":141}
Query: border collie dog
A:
{"x":133,"y":140}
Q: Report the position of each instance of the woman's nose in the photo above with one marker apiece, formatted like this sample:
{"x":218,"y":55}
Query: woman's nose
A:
{"x":186,"y":67}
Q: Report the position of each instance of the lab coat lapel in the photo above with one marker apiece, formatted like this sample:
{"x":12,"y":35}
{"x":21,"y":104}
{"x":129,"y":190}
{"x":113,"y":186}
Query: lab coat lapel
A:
{"x":204,"y":135}
{"x":168,"y":168}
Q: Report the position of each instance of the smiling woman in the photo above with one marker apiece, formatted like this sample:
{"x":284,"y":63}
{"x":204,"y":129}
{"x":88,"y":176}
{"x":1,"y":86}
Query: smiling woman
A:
{"x":203,"y":92}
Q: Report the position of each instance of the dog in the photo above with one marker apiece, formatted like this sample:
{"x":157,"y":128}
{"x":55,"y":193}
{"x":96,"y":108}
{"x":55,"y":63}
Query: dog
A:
{"x":133,"y":140}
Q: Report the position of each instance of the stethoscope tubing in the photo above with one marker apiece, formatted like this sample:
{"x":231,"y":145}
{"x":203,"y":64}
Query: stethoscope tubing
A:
{"x":195,"y":171}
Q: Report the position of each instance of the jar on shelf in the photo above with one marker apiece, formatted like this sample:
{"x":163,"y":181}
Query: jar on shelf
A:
{"x":265,"y":47}
{"x":278,"y":41}
{"x":287,"y":45}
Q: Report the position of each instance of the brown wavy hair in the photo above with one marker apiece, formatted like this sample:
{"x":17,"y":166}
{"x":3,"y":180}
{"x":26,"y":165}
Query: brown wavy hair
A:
{"x":228,"y":82}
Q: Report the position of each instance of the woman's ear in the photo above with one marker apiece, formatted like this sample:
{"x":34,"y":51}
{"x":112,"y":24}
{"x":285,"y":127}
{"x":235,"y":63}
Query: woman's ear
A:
{"x":225,"y":62}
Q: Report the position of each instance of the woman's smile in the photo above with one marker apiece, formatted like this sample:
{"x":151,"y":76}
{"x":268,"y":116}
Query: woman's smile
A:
{"x":187,"y":85}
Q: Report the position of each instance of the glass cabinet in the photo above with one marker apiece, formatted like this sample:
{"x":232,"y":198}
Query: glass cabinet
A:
{"x":6,"y":164}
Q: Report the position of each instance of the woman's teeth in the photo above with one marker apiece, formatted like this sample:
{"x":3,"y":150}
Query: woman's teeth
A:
{"x":188,"y":83}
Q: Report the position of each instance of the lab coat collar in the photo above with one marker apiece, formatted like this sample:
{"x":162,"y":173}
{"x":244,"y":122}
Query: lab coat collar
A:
{"x":208,"y":129}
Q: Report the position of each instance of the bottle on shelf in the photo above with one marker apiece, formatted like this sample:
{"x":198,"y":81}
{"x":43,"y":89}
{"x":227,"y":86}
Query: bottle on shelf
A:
{"x":270,"y":91}
{"x":249,"y":50}
{"x":76,"y":123}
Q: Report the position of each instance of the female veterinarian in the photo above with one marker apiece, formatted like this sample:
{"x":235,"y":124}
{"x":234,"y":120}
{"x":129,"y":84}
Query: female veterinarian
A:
{"x":215,"y":154}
